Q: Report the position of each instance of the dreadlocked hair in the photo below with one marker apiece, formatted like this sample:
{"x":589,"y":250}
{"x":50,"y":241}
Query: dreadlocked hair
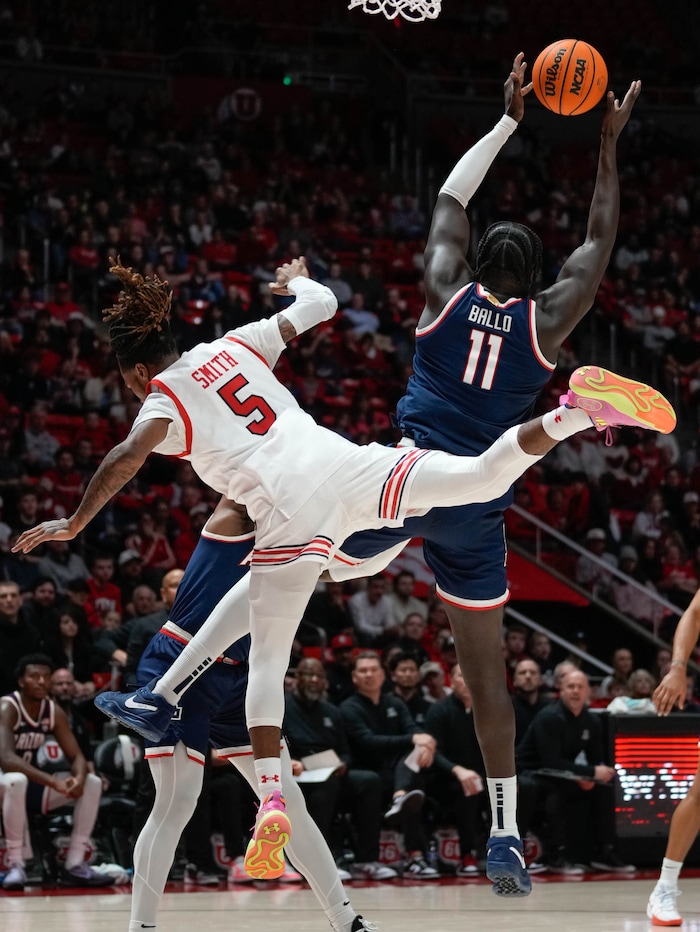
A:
{"x":139,"y":330}
{"x":509,"y":251}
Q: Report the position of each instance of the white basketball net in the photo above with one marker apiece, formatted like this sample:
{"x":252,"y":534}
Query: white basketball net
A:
{"x":415,"y":11}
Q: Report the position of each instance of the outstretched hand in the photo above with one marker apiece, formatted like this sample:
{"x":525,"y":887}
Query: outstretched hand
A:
{"x":671,"y":691}
{"x":58,"y":529}
{"x":515,"y":89}
{"x":285,"y":273}
{"x":617,"y":114}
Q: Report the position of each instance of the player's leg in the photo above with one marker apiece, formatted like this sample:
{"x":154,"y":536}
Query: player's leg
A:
{"x":309,"y":851}
{"x":278,"y":597}
{"x":478,"y":643}
{"x":13,"y":789}
{"x":76,"y":872}
{"x":685,"y":825}
{"x":596,"y":397}
{"x":178,"y":781}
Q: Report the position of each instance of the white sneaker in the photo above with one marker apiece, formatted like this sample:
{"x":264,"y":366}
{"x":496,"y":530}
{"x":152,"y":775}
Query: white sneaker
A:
{"x":345,"y":876}
{"x":661,"y":908}
{"x":15,"y":878}
{"x":404,"y":804}
{"x":419,"y":869}
{"x":372,"y":870}
{"x":236,"y":872}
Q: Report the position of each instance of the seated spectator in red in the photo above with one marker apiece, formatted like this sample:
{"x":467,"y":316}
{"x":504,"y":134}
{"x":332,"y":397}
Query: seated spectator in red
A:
{"x":62,"y":303}
{"x":98,"y":432}
{"x":105,"y":596}
{"x":679,"y":579}
{"x":629,"y":490}
{"x":63,"y":483}
{"x":556,"y":510}
{"x":154,"y":547}
{"x":579,"y":509}
{"x":219,"y":253}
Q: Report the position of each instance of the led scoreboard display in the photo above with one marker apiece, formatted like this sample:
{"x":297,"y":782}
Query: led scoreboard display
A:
{"x":655,"y":760}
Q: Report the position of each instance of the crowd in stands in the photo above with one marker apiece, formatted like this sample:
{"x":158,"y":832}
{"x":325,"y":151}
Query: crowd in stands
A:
{"x":213,"y":206}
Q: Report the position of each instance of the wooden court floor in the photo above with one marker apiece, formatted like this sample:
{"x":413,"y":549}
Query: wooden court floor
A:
{"x":593,"y":905}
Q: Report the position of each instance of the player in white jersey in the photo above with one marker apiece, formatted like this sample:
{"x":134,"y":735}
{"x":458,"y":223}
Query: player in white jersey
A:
{"x":306,"y":488}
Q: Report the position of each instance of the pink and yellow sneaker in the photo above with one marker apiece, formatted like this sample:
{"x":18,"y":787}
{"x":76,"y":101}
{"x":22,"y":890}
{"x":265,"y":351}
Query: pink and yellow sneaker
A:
{"x":264,"y":859}
{"x":612,"y":400}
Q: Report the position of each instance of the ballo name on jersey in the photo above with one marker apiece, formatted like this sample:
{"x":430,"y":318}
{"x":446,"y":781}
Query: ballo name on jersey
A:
{"x":487,"y":317}
{"x":212,"y":370}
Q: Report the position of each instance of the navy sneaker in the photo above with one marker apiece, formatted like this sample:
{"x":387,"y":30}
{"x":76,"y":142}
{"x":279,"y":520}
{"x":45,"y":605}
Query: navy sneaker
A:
{"x":505,"y":866}
{"x":143,"y":711}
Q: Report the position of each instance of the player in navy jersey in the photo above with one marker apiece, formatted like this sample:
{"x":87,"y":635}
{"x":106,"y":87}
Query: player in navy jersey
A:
{"x":212,"y":712}
{"x":27,"y":717}
{"x":486,"y":344}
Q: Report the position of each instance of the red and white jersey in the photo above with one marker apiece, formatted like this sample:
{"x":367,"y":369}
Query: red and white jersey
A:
{"x":241,"y":429}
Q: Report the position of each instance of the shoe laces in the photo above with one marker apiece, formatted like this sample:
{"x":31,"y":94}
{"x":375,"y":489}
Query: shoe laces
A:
{"x":668,"y":896}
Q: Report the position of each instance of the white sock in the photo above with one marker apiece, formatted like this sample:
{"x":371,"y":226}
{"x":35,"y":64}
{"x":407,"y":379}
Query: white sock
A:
{"x":341,"y":916}
{"x":194,"y":660}
{"x":563,"y":422}
{"x":269,"y":775}
{"x":503,"y":796}
{"x":670,"y":871}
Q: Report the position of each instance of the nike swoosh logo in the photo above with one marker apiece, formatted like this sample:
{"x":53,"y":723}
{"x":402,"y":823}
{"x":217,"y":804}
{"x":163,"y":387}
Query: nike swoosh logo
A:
{"x":132,"y":703}
{"x":518,"y":855}
{"x":346,"y":903}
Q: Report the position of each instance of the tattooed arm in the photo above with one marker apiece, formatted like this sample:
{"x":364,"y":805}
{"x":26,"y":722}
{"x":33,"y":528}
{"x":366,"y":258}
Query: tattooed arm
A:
{"x":119,"y":466}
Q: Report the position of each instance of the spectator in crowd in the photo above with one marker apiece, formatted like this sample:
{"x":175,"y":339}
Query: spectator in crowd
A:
{"x":339,"y":669}
{"x":328,"y":610}
{"x":152,"y":544}
{"x":105,"y":596}
{"x":372,"y":613}
{"x":405,"y":679}
{"x":540,"y":649}
{"x":41,"y":609}
{"x":527,"y":701}
{"x":39,"y":445}
{"x":622,"y":664}
{"x":592,"y":573}
{"x":632,"y":600}
{"x":26,"y":715}
{"x":457,"y":777}
{"x":413,"y":631}
{"x":641,"y":685}
{"x":566,"y":738}
{"x":403,"y":599}
{"x":648,"y":521}
{"x":311,"y":726}
{"x":382,"y":734}
{"x":432,"y":677}
{"x":62,"y":564}
{"x":69,"y":644}
{"x":130,"y":574}
{"x":514,"y":642}
{"x":64,"y":692}
{"x":17,"y":636}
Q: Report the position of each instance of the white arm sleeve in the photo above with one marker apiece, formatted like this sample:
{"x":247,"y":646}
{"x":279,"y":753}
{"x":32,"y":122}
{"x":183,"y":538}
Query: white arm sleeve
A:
{"x":465,"y":178}
{"x":314,"y":304}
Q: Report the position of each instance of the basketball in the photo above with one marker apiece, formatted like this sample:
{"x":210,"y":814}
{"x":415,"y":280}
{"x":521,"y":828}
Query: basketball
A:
{"x":569,"y":77}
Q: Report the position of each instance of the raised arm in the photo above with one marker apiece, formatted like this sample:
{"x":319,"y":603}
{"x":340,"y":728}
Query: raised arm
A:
{"x":671,"y":690}
{"x":119,"y":466}
{"x":446,"y":266}
{"x":562,"y":306}
{"x":314,"y":302}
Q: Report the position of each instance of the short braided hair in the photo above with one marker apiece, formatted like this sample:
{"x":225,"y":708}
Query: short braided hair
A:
{"x":139,"y":330}
{"x":512,"y":251}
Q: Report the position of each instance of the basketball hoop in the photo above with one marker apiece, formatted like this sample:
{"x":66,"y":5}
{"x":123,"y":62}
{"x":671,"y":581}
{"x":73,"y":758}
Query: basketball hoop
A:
{"x":415,"y":11}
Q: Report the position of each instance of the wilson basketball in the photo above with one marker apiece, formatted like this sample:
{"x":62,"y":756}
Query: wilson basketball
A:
{"x":569,"y":77}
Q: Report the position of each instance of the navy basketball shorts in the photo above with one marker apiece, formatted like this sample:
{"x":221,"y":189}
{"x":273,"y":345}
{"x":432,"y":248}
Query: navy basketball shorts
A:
{"x":464,"y":547}
{"x":212,"y":711}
